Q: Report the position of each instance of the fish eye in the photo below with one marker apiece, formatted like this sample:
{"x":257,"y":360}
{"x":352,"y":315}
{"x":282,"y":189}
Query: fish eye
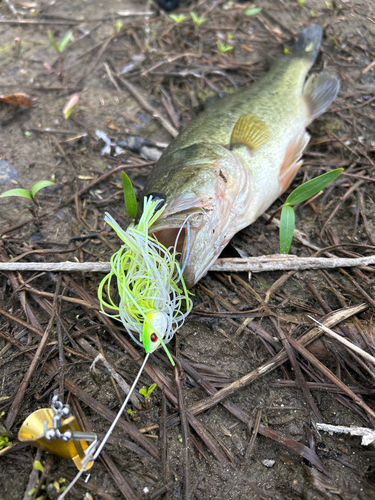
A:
{"x":153,"y":337}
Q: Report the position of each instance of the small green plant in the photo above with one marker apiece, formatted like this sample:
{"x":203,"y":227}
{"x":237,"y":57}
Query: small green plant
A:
{"x":223,"y":47}
{"x":286,"y":51}
{"x":197,"y":20}
{"x":300,"y":194}
{"x":147,"y":394}
{"x":70,"y":106}
{"x":252,"y":12}
{"x":30,"y":195}
{"x":38,"y":465}
{"x":131,"y":413}
{"x":118,"y":25}
{"x":312,"y":13}
{"x":301,"y":2}
{"x":62,"y":45}
{"x":4,"y":442}
{"x":178,"y":18}
{"x":52,"y":490}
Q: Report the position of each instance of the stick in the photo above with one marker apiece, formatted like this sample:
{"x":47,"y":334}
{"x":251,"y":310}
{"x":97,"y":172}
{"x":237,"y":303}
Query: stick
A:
{"x":368,"y":435}
{"x":14,"y":11}
{"x":254,"y":264}
{"x":142,"y":101}
{"x":346,"y":342}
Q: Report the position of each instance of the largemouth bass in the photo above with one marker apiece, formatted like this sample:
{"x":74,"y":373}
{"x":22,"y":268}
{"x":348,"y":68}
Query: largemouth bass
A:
{"x":236,"y":158}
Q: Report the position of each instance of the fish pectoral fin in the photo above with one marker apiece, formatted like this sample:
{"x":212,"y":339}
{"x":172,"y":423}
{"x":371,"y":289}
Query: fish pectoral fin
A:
{"x":292,"y":163}
{"x":319,"y":92}
{"x":249,"y":131}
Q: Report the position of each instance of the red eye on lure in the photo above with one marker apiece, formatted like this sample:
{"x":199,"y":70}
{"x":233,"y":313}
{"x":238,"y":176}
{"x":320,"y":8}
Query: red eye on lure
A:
{"x":154,"y":338}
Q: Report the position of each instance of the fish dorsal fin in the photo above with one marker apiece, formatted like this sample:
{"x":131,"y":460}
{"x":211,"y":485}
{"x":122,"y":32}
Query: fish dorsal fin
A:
{"x":249,"y":131}
{"x":319,"y":92}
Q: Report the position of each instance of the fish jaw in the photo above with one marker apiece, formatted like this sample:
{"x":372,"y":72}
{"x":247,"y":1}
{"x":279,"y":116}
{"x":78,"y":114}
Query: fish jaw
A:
{"x":214,"y":215}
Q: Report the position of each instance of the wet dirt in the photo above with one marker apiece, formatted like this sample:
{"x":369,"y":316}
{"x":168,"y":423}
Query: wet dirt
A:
{"x":39,"y":143}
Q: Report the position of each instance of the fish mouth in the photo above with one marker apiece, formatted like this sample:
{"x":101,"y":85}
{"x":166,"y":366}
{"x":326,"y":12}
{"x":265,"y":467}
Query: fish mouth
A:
{"x":179,"y":231}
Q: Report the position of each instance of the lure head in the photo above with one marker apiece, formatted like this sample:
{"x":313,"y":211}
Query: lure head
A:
{"x":154,"y":330}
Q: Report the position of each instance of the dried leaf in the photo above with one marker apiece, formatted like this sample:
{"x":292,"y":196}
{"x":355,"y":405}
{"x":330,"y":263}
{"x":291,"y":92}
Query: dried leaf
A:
{"x":18,"y":99}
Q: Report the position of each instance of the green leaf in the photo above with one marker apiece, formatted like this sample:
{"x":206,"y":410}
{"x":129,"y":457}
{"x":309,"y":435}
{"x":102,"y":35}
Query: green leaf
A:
{"x":178,"y":18}
{"x":143,"y":391}
{"x":18,"y":192}
{"x":150,"y":389}
{"x":38,"y":466}
{"x":53,"y":41}
{"x":64,"y":41}
{"x":4,"y":442}
{"x":252,"y":12}
{"x":131,"y":413}
{"x":287,"y":220}
{"x":311,"y":188}
{"x":40,"y":185}
{"x":118,"y":26}
{"x":129,"y":196}
{"x":223,"y":47}
{"x":197,"y":20}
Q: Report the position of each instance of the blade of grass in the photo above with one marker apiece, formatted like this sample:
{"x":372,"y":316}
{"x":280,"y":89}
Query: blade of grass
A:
{"x":129,"y":196}
{"x":287,"y":221}
{"x":52,"y":40}
{"x":252,"y":12}
{"x":40,"y":185}
{"x":311,"y":188}
{"x":18,"y":192}
{"x":64,"y":42}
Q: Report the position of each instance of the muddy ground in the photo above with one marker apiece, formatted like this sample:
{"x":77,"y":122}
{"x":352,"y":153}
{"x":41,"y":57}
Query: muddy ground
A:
{"x":176,"y":68}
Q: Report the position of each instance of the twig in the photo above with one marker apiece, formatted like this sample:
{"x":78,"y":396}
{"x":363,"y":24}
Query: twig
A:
{"x":11,"y":7}
{"x":34,"y":21}
{"x":254,"y":434}
{"x":184,"y":428}
{"x":163,"y":436}
{"x":33,"y":479}
{"x":364,"y":71}
{"x":254,"y":264}
{"x":168,"y":127}
{"x":348,"y":344}
{"x":368,"y":435}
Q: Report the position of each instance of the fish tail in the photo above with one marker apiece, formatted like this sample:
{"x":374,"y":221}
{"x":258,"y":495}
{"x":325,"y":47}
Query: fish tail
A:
{"x":308,"y":44}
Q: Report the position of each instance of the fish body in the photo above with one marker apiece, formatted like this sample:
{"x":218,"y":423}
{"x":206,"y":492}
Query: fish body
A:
{"x":236,"y":158}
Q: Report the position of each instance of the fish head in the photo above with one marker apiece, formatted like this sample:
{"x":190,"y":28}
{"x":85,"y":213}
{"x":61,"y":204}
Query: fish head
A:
{"x":201,"y":186}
